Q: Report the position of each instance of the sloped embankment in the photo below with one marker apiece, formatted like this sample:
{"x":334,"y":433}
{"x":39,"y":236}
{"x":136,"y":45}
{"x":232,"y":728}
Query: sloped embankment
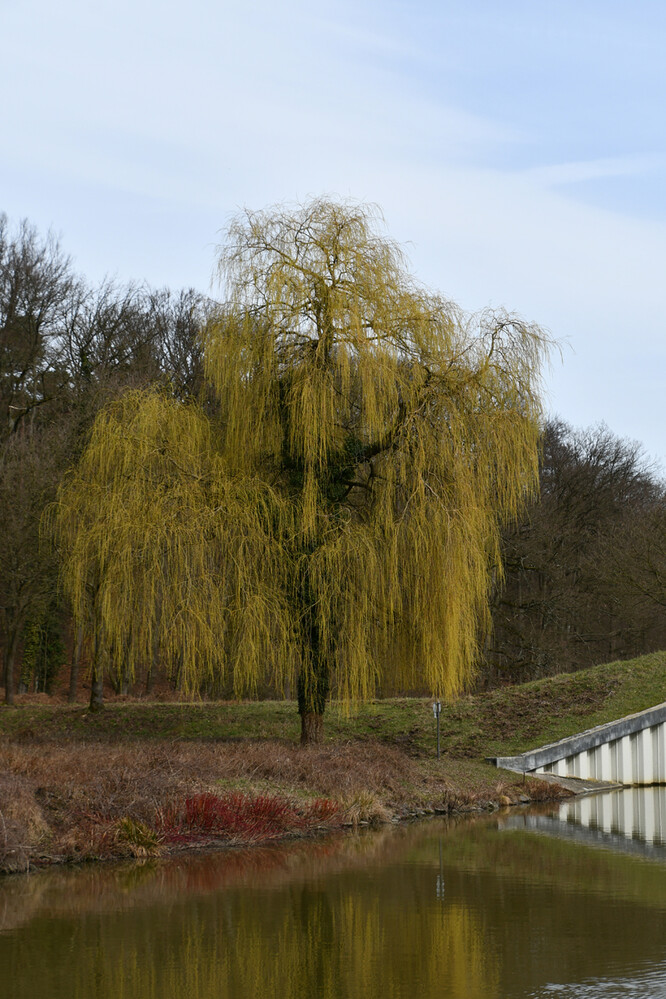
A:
{"x":143,"y":778}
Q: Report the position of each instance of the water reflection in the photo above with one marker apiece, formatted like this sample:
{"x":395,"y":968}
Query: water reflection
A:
{"x":642,"y":985}
{"x":456,"y":909}
{"x":631,"y":820}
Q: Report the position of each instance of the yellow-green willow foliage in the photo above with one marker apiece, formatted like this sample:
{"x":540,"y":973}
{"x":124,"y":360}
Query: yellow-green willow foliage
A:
{"x":342,"y":517}
{"x":402,"y":431}
{"x":166,"y":553}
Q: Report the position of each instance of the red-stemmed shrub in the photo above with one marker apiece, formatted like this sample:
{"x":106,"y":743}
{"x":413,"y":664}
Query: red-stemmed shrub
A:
{"x":240,"y":818}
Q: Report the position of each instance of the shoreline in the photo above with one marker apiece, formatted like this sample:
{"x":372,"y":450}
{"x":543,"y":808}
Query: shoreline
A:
{"x":72,"y":802}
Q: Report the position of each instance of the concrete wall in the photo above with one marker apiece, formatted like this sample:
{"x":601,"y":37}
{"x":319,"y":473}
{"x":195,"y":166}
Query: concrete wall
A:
{"x":631,"y":750}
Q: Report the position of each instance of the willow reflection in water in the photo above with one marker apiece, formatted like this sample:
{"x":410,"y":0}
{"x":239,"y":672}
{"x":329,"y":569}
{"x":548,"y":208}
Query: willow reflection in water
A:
{"x":442,"y":909}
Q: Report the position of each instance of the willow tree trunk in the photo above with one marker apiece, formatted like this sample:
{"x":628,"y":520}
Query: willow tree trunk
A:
{"x":311,"y":707}
{"x":96,"y":690}
{"x":314,"y":679}
{"x":74,"y":671}
{"x":313,"y":689}
{"x":312,"y":728}
{"x":96,"y":679}
{"x":154,"y":659}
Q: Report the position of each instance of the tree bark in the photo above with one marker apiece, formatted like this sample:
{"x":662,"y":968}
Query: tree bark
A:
{"x":314,"y":680}
{"x":10,"y":656}
{"x":312,"y":728}
{"x":313,"y":689}
{"x":96,"y":680}
{"x":153,"y":664}
{"x":74,"y":671}
{"x":96,"y":692}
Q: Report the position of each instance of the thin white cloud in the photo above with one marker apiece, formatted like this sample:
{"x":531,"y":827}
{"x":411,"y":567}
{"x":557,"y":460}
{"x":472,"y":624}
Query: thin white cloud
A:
{"x":171,"y":117}
{"x":368,"y":41}
{"x":586,"y":170}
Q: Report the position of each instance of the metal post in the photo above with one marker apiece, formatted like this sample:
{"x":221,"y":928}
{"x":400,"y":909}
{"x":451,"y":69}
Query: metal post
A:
{"x":436,"y":709}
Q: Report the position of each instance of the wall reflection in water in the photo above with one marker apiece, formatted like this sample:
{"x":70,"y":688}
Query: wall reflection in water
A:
{"x":457,"y":909}
{"x":631,"y":820}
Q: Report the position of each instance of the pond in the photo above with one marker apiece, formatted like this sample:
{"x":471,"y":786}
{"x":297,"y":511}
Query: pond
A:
{"x":555,"y":902}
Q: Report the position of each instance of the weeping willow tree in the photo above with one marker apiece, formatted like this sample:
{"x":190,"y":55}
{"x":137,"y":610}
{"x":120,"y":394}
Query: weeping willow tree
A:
{"x":337,"y":520}
{"x":165,"y":555}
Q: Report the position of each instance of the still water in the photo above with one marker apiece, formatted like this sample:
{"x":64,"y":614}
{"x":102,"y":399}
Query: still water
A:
{"x":560,"y":902}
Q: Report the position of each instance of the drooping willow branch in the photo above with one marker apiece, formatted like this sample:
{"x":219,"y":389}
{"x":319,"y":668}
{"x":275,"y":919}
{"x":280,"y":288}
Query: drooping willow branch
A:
{"x":370,"y":439}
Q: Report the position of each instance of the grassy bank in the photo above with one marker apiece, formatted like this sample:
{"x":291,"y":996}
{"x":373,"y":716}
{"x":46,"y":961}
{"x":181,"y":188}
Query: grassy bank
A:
{"x":143,"y":777}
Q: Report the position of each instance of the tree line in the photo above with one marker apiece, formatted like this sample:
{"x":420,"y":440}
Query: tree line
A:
{"x":325,"y":481}
{"x":67,"y":348}
{"x":585,"y":565}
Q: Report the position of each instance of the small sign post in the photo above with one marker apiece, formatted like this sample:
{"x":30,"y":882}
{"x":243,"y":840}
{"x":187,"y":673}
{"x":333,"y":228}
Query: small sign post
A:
{"x":436,"y":709}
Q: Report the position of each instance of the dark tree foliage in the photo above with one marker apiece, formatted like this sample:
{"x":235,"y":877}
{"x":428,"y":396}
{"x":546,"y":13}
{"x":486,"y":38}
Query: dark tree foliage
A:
{"x":578,"y":590}
{"x":43,"y":650}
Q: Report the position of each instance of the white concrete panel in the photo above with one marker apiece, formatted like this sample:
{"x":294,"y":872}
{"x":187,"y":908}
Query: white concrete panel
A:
{"x":626,"y":760}
{"x":582,"y":765}
{"x":647,"y":770}
{"x":659,"y":751}
{"x":635,"y":743}
{"x":614,"y":748}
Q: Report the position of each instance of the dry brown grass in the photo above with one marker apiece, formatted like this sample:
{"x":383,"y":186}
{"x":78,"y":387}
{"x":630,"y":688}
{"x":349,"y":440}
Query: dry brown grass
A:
{"x":23,"y":827}
{"x":334,"y":770}
{"x":70,"y":801}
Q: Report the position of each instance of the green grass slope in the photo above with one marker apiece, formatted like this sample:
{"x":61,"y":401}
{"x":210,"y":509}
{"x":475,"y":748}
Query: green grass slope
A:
{"x":501,"y":722}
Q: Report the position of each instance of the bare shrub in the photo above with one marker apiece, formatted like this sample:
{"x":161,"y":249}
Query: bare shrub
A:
{"x":22,"y":824}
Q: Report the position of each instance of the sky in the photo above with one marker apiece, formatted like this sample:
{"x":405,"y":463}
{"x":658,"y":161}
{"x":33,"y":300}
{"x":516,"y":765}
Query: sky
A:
{"x":517,"y":150}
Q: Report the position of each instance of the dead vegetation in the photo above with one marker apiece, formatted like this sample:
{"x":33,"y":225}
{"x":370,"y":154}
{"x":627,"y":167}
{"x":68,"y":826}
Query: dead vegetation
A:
{"x":82,"y":801}
{"x":22,"y":823}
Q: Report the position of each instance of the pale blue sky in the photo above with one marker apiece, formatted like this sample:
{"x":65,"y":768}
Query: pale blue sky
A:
{"x":518,"y":148}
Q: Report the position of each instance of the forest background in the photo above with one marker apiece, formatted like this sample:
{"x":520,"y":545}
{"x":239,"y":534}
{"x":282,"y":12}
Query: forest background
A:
{"x":585,"y":564}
